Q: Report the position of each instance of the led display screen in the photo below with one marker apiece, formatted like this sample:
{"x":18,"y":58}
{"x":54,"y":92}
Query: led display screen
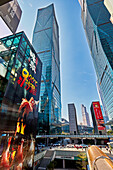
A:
{"x":20,"y":78}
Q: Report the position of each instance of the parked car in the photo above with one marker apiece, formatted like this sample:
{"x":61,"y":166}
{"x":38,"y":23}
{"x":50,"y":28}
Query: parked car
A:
{"x":84,"y":146}
{"x":56,"y":144}
{"x":41,"y":145}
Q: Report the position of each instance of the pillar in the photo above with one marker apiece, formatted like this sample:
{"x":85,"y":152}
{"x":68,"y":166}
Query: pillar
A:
{"x":82,"y":141}
{"x":95,"y":141}
{"x":63,"y":163}
{"x":47,"y":141}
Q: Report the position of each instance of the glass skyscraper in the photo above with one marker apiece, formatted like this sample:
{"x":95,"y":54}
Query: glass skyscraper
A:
{"x":99,"y":32}
{"x":73,"y":126}
{"x":20,"y":79}
{"x":46,"y":43}
{"x":85,"y":116}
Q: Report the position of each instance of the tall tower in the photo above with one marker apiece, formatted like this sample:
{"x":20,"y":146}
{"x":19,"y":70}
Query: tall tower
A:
{"x":97,"y":117}
{"x":103,"y":108}
{"x":99,"y":32}
{"x":46,"y":43}
{"x":73,"y":127}
{"x":85,"y":116}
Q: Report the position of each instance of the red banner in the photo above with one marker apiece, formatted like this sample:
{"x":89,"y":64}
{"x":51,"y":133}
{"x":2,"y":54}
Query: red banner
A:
{"x":98,"y":115}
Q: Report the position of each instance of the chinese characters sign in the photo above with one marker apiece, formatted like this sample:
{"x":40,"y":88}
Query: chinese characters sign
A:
{"x":29,"y":81}
{"x":98,"y":115}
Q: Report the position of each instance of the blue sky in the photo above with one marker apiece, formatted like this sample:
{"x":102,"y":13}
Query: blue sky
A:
{"x":78,"y":80}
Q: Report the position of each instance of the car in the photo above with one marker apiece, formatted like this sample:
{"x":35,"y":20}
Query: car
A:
{"x":41,"y":145}
{"x":56,"y":144}
{"x":84,"y":146}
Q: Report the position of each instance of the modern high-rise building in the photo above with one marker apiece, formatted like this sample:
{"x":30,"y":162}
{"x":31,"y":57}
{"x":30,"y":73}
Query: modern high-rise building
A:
{"x":20,"y":79}
{"x":97,"y":117}
{"x":85,"y":116}
{"x":99,"y":32}
{"x":73,"y":127}
{"x":103,"y":108}
{"x":101,"y":98}
{"x":46,"y":43}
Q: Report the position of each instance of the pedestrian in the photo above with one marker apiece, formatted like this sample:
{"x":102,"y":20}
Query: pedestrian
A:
{"x":106,"y":148}
{"x":109,"y":151}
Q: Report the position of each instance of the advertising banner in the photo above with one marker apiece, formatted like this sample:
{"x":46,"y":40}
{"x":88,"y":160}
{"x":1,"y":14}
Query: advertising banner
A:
{"x":19,"y":108}
{"x":19,"y":98}
{"x":98,"y":115}
{"x":11,"y":14}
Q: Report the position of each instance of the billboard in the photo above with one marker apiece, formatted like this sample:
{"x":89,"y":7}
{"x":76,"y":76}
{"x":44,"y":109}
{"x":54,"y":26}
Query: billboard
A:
{"x":98,"y":116}
{"x":20,"y":78}
{"x":11,"y":14}
{"x":19,"y":98}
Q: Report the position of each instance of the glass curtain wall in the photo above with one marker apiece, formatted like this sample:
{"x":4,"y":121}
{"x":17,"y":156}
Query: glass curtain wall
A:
{"x":46,"y":44}
{"x":99,"y":32}
{"x":20,"y":76}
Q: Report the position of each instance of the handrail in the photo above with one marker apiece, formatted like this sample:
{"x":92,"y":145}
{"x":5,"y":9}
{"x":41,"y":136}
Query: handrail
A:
{"x":97,"y":158}
{"x":75,"y":136}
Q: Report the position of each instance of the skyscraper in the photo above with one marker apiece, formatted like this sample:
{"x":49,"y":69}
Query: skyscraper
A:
{"x":73,"y":127}
{"x":99,"y":32}
{"x":46,"y":44}
{"x":20,"y":79}
{"x":103,"y":108}
{"x":85,"y":116}
{"x":97,"y":117}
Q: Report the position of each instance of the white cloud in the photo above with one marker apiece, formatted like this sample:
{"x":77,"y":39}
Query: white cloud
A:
{"x":22,"y":1}
{"x":30,"y":5}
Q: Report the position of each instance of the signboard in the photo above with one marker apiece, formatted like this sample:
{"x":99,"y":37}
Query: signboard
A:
{"x":19,"y":98}
{"x":11,"y":14}
{"x":109,"y":6}
{"x":22,"y":93}
{"x":98,"y":116}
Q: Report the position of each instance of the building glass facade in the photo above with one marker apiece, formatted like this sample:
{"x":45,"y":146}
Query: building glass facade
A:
{"x":97,"y":117}
{"x":73,"y":127}
{"x":85,"y":116}
{"x":20,"y":78}
{"x":99,"y":32}
{"x":46,"y":43}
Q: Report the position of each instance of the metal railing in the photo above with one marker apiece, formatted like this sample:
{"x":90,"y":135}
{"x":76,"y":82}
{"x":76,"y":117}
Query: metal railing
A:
{"x":98,"y":160}
{"x":74,"y":136}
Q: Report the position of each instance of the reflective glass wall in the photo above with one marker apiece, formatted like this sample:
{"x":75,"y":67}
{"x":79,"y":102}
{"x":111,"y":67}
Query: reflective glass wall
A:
{"x":99,"y":32}
{"x":20,"y":77}
{"x":46,"y":44}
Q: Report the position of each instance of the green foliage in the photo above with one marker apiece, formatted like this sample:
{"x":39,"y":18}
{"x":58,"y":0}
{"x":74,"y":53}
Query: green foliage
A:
{"x":110,"y":132}
{"x":52,"y":165}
